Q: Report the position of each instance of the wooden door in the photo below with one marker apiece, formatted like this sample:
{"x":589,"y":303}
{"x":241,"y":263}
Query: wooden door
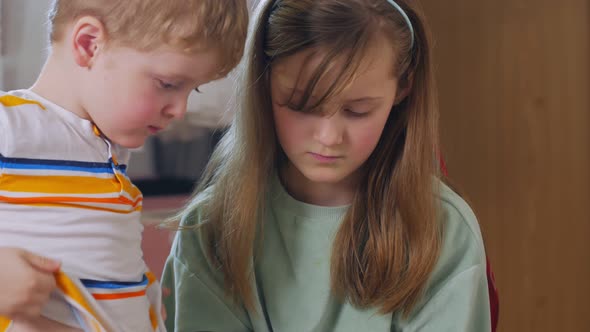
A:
{"x":514,"y":83}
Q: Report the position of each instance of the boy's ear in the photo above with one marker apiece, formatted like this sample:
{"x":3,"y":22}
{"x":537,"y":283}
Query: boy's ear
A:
{"x":89,"y":36}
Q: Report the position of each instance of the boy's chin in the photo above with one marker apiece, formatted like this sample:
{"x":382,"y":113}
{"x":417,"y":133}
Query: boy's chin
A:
{"x":130,"y":142}
{"x":133,"y":145}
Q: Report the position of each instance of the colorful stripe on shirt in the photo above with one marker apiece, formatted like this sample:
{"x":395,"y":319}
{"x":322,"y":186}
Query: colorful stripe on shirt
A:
{"x":104,"y":290}
{"x":5,"y":324}
{"x":11,"y":101}
{"x":96,"y":186}
{"x":77,"y":294}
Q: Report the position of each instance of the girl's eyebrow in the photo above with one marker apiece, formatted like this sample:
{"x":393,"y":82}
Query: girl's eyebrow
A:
{"x":298,"y":92}
{"x":287,"y":85}
{"x":294,"y":91}
{"x":363,"y":99}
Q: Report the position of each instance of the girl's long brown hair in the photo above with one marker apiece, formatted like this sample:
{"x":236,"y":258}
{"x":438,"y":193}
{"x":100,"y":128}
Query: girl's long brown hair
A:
{"x":389,"y":240}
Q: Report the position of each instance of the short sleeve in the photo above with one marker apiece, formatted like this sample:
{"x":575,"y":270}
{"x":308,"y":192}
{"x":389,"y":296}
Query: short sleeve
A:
{"x":3,"y":138}
{"x":3,"y":132}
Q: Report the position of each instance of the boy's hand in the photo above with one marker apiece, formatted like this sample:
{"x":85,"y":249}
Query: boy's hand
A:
{"x":165,"y":293}
{"x":26,"y":281}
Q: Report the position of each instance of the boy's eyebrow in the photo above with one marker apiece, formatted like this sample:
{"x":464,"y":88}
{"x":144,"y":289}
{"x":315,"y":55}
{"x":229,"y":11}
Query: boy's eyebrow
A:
{"x":181,"y":77}
{"x":178,"y":77}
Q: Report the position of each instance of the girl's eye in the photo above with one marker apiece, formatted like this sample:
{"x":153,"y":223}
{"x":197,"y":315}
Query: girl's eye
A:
{"x":292,"y":107}
{"x":355,"y":114}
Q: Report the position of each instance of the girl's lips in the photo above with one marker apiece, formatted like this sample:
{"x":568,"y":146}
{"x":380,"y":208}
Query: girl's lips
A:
{"x":324,"y":159}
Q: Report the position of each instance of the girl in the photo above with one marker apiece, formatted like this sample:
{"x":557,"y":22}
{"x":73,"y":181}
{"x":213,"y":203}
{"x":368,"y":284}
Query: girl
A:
{"x":322,"y":208}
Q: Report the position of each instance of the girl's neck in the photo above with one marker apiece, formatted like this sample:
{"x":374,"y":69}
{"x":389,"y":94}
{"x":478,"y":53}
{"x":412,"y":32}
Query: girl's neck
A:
{"x":317,"y":193}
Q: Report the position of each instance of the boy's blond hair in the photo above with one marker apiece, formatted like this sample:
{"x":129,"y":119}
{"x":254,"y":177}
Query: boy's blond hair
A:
{"x":188,"y":25}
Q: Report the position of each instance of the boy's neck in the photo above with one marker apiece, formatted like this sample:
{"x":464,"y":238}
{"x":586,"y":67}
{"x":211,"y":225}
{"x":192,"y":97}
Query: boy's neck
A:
{"x":58,"y":84}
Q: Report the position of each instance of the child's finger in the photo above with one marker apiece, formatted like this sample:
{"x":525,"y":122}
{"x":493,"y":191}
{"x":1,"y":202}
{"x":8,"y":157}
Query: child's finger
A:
{"x":41,"y":263}
{"x":165,"y":293}
{"x":164,"y":314}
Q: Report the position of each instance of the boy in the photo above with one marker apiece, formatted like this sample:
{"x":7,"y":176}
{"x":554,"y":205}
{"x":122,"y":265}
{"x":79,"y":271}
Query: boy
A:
{"x":118,"y":71}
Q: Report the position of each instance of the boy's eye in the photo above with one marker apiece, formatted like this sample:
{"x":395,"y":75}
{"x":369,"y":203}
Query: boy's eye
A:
{"x":166,"y":85}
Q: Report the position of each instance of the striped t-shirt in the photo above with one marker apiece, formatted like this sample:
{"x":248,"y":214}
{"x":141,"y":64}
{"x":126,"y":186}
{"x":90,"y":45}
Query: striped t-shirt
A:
{"x":64,"y":193}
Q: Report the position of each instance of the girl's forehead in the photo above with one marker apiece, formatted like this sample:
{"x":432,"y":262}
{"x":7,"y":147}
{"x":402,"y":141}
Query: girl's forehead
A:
{"x":376,"y":67}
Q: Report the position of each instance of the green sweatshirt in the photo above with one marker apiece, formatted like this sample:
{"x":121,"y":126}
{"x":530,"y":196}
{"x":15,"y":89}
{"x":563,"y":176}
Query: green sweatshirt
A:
{"x":292,"y":278}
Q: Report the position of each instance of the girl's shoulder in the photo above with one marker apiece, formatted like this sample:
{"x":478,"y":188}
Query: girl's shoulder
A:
{"x":190,"y":246}
{"x":456,"y":215}
{"x":458,"y":281}
{"x":462,"y":246}
{"x":192,"y":215}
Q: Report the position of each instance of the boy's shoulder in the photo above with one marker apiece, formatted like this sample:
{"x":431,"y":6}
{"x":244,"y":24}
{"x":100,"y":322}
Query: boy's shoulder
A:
{"x":33,"y":127}
{"x":18,"y":109}
{"x":19,"y":117}
{"x":19,"y":98}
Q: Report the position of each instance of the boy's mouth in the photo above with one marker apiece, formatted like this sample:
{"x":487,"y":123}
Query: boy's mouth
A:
{"x":154,"y":130}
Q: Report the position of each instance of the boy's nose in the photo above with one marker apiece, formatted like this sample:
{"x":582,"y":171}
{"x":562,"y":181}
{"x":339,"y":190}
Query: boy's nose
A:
{"x":175,"y":110}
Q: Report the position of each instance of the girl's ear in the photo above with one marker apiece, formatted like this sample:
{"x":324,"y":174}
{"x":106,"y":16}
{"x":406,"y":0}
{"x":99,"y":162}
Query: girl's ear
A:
{"x":404,"y":88}
{"x":401,"y":95}
{"x":89,"y":36}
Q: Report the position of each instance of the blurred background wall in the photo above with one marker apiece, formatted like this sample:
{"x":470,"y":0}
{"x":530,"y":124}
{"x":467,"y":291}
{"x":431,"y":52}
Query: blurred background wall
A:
{"x":23,"y":41}
{"x":514,"y":81}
